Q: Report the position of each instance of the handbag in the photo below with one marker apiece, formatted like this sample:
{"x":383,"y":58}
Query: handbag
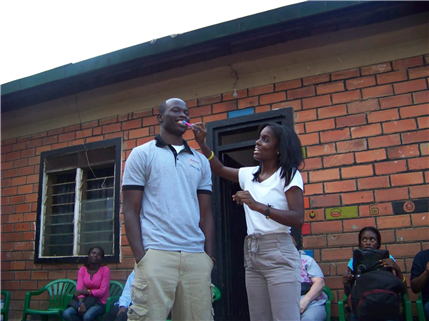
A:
{"x":305,"y":287}
{"x":89,"y":302}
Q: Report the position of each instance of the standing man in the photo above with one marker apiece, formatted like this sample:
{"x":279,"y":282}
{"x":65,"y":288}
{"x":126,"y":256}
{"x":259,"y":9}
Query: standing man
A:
{"x":420,"y":278}
{"x":169,"y":223}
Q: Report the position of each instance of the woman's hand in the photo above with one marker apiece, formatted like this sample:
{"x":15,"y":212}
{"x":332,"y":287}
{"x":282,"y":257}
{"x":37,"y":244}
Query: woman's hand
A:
{"x":200,"y":132}
{"x":303,"y":304}
{"x":347,"y":278}
{"x":82,"y":309}
{"x":244,"y":197}
{"x":389,"y":263}
{"x":79,"y":292}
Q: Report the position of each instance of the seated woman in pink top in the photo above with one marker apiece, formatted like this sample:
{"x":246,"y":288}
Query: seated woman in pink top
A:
{"x":92,"y":280}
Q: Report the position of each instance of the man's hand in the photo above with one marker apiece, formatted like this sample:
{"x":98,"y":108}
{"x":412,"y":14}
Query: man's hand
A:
{"x":121,"y":310}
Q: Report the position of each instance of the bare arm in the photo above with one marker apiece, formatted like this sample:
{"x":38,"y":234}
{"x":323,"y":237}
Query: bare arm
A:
{"x":315,"y":290}
{"x":418,"y":283}
{"x":216,"y":165}
{"x":294,"y":216}
{"x":348,"y":280}
{"x":206,"y":222}
{"x":132,"y":204}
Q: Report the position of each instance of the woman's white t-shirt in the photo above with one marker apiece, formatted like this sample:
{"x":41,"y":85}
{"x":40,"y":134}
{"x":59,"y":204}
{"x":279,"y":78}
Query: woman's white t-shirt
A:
{"x":270,"y":191}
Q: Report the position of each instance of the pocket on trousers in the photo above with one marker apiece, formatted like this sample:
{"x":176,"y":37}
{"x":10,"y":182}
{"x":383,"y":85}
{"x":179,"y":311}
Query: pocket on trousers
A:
{"x":137,"y":313}
{"x":139,"y":292}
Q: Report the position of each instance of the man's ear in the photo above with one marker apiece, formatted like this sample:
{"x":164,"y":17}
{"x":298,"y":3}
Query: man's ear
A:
{"x":159,"y":117}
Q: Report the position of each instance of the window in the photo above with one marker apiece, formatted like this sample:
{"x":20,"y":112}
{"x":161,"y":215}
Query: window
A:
{"x":79,"y":202}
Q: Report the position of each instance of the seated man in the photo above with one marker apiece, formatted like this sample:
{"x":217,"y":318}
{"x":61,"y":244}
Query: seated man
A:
{"x":420,"y":278}
{"x":120,"y":309}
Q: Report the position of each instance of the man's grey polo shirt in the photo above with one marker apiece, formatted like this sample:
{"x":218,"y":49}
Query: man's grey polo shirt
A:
{"x":170,"y":212}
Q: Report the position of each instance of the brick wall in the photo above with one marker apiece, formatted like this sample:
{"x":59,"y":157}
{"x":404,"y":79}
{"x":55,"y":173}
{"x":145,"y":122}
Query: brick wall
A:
{"x":366,"y":138}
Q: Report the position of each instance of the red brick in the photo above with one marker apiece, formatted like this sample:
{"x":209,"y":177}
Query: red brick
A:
{"x":19,"y":146}
{"x":345,"y":74}
{"x":25,"y":189}
{"x":420,"y":219}
{"x":338,"y":160}
{"x":295,"y":104}
{"x":200,"y":111}
{"x":261,"y":109}
{"x":396,"y":221}
{"x":419,"y":191}
{"x":390,"y":167}
{"x":324,"y":175}
{"x":299,"y":128}
{"x":272,"y":98}
{"x":209,"y":100}
{"x":384,"y":141}
{"x":342,"y":240}
{"x":349,"y":121}
{"x":340,"y":186}
{"x":324,"y":149}
{"x":111,"y":128}
{"x":316,"y":79}
{"x":370,"y":156}
{"x":351,"y":145}
{"x":357,"y":198}
{"x":418,"y":163}
{"x":346,"y":97}
{"x":261,"y":90}
{"x":410,"y":86}
{"x":363,"y":106}
{"x":13,"y":156}
{"x":326,"y":227}
{"x":392,"y":77}
{"x":373,"y":182}
{"x":383,"y":209}
{"x":406,"y":179}
{"x":424,"y":148}
{"x":396,"y":101}
{"x":410,"y":235}
{"x":9,"y":191}
{"x":335,"y":135}
{"x":356,"y":171}
{"x":419,"y":72}
{"x":382,"y":116}
{"x":137,"y":133}
{"x":421,"y":97}
{"x":305,"y":115}
{"x":319,"y":125}
{"x":136,"y":123}
{"x":301,"y":92}
{"x":403,"y":151}
{"x":317,"y":101}
{"x":377,"y":91}
{"x":360,"y":82}
{"x":313,"y":189}
{"x":376,"y":69}
{"x":210,"y":118}
{"x":423,"y":122}
{"x":314,"y":242}
{"x":408,"y":63}
{"x":16,"y":181}
{"x":309,"y":139}
{"x":330,"y":88}
{"x":224,"y":107}
{"x":336,"y":255}
{"x":355,"y":225}
{"x":414,"y":137}
{"x":248,"y":102}
{"x":333,"y":111}
{"x":290,"y":84}
{"x":366,"y":131}
{"x":20,"y":163}
{"x":399,"y":126}
{"x":391,"y":194}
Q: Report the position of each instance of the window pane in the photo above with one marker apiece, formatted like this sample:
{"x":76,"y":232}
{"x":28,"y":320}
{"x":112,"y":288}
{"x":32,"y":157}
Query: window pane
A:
{"x":58,"y":228}
{"x":97,"y":210}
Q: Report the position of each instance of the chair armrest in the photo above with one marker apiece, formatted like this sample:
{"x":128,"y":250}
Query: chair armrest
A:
{"x":341,"y":308}
{"x":110,"y":302}
{"x":407,"y":307}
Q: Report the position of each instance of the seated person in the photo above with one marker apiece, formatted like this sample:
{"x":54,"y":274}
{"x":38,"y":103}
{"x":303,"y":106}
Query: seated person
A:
{"x":420,"y":278}
{"x":92,"y":281}
{"x":369,"y":238}
{"x":312,"y":304}
{"x":120,"y":309}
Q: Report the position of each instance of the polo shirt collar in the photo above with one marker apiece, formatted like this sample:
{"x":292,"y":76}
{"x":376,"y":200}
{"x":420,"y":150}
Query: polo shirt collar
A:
{"x":161,"y":143}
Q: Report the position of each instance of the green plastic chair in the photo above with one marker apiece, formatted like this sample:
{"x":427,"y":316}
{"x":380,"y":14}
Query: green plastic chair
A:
{"x":115,"y":289}
{"x":420,"y":310}
{"x":330,"y":295}
{"x":5,"y":309}
{"x":59,"y":291}
{"x":406,"y":302}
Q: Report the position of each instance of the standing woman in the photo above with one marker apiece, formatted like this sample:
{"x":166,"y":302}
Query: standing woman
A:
{"x":92,"y":281}
{"x":272,"y":196}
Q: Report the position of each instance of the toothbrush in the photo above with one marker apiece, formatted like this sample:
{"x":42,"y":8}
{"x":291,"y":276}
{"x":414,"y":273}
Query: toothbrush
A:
{"x":190,"y":125}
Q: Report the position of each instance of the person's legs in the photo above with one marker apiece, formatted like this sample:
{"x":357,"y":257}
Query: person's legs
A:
{"x":111,"y":315}
{"x":314,"y":313}
{"x":94,"y":312}
{"x":256,"y":286}
{"x":426,"y":309}
{"x":194,"y":292}
{"x":154,"y":287}
{"x":71,"y":314}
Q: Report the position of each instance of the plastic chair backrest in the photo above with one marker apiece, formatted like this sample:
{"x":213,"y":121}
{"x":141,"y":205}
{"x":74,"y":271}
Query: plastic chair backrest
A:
{"x":5,"y":309}
{"x":116,"y":288}
{"x":420,"y":309}
{"x":59,"y":292}
{"x":330,"y":295}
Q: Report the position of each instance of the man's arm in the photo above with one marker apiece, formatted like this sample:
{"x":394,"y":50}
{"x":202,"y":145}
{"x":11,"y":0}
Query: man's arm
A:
{"x":206,"y":222}
{"x":418,"y":283}
{"x":132,"y":204}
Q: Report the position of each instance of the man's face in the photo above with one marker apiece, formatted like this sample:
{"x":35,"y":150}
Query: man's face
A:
{"x":172,"y":118}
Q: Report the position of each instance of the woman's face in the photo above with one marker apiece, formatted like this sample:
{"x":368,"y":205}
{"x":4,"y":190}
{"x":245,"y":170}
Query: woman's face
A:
{"x":266,"y":146}
{"x":95,"y":256}
{"x":369,"y":240}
